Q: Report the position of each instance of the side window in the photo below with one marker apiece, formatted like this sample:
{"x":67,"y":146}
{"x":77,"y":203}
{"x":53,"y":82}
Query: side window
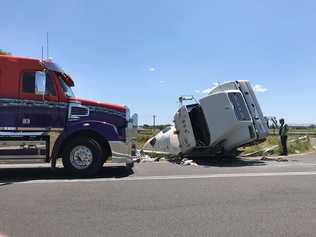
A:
{"x":50,"y":89}
{"x":28,"y":84}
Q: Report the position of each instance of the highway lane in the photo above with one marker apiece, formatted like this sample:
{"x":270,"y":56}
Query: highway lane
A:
{"x":215,"y":200}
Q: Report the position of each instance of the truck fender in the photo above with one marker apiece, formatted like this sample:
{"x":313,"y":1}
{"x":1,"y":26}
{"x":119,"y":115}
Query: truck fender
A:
{"x":105,"y":130}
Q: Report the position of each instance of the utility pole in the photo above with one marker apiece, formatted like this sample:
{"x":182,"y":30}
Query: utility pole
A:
{"x":154,"y":122}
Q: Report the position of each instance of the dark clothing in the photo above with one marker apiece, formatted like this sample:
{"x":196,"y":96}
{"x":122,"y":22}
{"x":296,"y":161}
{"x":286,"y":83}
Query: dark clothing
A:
{"x":283,"y":135}
{"x":283,"y":130}
{"x":284,"y":145}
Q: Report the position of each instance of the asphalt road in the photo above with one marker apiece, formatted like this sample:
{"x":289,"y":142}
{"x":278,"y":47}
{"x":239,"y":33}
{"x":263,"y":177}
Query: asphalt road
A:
{"x":223,"y":198}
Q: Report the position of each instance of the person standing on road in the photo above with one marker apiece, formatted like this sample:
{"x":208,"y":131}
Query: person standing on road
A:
{"x":283,"y":136}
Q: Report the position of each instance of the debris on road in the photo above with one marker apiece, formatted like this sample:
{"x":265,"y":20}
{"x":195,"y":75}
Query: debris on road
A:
{"x":263,"y":151}
{"x":186,"y":162}
{"x":146,"y":158}
{"x":279,"y":159}
{"x":158,"y":159}
{"x":151,"y":157}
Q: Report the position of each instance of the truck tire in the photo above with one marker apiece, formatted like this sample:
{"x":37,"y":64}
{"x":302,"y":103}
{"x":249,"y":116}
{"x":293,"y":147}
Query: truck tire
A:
{"x":129,"y":166}
{"x":83,"y":157}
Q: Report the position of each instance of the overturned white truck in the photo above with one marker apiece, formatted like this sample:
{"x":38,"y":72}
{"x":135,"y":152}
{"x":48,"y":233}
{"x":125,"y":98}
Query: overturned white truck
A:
{"x":229,"y":117}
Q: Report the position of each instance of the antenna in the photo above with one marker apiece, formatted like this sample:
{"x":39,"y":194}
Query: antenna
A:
{"x":42,"y":53}
{"x":47,"y":45}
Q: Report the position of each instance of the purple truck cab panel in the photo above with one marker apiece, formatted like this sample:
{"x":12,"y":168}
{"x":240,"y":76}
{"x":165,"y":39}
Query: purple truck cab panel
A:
{"x":8,"y":115}
{"x":106,"y":130}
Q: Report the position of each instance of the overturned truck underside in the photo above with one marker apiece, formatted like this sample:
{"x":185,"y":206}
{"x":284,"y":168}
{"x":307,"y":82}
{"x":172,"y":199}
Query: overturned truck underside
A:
{"x":227,"y":118}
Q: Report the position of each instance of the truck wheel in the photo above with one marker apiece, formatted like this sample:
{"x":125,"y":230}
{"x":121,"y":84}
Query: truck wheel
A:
{"x":129,"y":166}
{"x":83,"y":157}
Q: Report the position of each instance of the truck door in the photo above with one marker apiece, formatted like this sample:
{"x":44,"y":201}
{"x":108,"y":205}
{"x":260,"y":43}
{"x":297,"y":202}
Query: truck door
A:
{"x":8,"y":90}
{"x":38,"y":112}
{"x":184,"y":129}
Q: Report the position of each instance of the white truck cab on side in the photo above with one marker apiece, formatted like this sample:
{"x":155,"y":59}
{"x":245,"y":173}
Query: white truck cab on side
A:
{"x":228,"y":118}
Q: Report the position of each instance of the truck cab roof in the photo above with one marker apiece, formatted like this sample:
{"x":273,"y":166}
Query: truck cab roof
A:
{"x":45,"y":63}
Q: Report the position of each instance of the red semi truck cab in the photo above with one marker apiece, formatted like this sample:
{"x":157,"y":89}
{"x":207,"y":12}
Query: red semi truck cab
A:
{"x":41,"y":120}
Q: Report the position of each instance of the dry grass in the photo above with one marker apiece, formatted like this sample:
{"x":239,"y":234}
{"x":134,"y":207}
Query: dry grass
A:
{"x":144,"y":135}
{"x":296,"y":147}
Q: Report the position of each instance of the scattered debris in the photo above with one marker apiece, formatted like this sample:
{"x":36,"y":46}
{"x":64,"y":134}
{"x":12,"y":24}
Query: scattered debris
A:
{"x":157,"y":159}
{"x":162,"y":159}
{"x":186,"y":162}
{"x":263,"y":151}
{"x":146,"y":158}
{"x":279,"y":159}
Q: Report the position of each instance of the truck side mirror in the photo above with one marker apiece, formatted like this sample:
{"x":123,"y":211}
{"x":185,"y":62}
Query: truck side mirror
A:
{"x":40,"y":83}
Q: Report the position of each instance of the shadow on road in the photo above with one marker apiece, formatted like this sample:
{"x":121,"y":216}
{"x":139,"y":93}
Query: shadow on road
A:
{"x":229,"y":162}
{"x":14,"y":175}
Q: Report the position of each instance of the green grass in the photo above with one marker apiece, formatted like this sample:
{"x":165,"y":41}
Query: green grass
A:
{"x":295,"y":130}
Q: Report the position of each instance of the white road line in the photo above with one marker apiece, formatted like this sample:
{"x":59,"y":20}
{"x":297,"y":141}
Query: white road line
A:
{"x":168,"y":177}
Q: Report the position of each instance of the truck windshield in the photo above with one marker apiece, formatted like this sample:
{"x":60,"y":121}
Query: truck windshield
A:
{"x":67,"y":89}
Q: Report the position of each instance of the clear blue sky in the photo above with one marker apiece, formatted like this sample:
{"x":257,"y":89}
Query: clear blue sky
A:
{"x":146,"y":53}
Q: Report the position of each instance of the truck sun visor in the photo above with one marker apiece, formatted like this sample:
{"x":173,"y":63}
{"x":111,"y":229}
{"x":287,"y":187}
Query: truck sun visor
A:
{"x":56,"y":68}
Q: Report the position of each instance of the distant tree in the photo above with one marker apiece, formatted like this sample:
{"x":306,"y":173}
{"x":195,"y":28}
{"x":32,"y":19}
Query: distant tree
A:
{"x":159,"y":127}
{"x":2,"y":52}
{"x":163,"y":126}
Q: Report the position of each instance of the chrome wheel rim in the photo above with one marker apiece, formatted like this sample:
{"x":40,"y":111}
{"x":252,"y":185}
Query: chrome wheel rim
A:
{"x":81,"y":157}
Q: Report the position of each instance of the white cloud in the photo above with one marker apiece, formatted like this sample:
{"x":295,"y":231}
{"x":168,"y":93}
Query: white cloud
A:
{"x":256,"y":88}
{"x":208,"y":90}
{"x":259,"y":88}
{"x":152,"y":69}
{"x":162,"y":82}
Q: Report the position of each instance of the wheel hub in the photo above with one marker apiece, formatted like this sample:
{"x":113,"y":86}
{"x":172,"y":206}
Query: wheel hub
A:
{"x":81,"y":157}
